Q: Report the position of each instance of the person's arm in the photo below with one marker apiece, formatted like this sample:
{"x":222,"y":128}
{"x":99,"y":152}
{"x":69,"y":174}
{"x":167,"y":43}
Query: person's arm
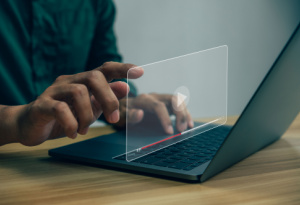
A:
{"x":68,"y":106}
{"x":8,"y":124}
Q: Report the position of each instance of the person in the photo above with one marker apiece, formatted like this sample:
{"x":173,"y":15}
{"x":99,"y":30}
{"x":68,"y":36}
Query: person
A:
{"x":60,"y":70}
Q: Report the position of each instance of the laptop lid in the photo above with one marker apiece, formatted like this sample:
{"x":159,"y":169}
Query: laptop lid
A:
{"x":271,"y":110}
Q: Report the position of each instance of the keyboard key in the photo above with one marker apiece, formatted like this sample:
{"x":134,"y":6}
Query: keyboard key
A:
{"x":170,"y":161}
{"x":168,"y":153}
{"x":195,"y":157}
{"x":199,"y":157}
{"x":174,"y":149}
{"x":190,"y":151}
{"x":213,"y":148}
{"x":184,"y":154}
{"x":161,"y":155}
{"x":175,"y":157}
{"x":189,"y":161}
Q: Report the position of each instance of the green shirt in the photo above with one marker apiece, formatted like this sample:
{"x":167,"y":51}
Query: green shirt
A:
{"x":42,"y":39}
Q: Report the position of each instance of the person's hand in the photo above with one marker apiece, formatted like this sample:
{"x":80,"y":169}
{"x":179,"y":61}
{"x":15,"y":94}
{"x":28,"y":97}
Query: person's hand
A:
{"x":158,"y":107}
{"x":73,"y":102}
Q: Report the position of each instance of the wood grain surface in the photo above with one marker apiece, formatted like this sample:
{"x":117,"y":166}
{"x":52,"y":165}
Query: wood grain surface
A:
{"x":29,"y":176}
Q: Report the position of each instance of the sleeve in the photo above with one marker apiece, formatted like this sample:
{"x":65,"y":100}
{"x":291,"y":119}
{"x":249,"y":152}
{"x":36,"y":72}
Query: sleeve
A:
{"x":104,"y":46}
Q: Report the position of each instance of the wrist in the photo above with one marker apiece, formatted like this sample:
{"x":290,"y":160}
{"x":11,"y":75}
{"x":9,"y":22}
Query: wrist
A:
{"x":9,"y":129}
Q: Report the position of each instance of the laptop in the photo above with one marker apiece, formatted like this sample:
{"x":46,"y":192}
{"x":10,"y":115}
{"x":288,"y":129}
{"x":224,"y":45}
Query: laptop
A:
{"x":268,"y":114}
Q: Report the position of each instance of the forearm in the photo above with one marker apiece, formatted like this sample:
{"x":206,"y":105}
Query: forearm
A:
{"x":8,"y":124}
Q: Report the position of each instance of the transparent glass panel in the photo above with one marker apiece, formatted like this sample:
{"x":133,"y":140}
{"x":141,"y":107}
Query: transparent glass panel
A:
{"x":188,"y":93}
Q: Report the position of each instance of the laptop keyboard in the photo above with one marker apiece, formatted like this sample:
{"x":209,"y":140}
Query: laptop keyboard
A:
{"x":188,"y":154}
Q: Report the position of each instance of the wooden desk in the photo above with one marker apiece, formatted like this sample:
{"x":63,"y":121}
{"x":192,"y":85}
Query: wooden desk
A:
{"x":29,"y":176}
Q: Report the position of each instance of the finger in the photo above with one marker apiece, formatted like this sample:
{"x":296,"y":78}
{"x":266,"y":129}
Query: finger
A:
{"x":101,"y":90}
{"x":111,"y":70}
{"x":181,"y":120}
{"x":183,"y":117}
{"x":105,"y":96}
{"x":151,"y":105}
{"x":115,"y":70}
{"x":96,"y":107}
{"x":82,"y":104}
{"x":77,"y":95}
{"x":166,"y":98}
{"x":122,"y":122}
{"x":162,"y":113}
{"x":120,"y":89}
{"x":190,"y":120}
{"x":135,"y":116}
{"x":61,"y":112}
{"x":180,"y":112}
{"x":97,"y":83}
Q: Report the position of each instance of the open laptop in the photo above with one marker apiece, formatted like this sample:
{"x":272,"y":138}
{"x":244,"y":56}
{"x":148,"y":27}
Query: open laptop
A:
{"x":266,"y":117}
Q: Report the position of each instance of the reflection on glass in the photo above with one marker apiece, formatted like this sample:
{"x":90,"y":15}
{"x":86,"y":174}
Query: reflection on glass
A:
{"x":174,"y":95}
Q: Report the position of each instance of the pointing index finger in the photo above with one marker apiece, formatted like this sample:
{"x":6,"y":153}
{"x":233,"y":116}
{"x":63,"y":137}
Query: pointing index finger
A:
{"x":115,"y":70}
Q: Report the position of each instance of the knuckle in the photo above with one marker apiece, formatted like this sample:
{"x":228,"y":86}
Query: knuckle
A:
{"x":79,"y":90}
{"x":174,"y":98}
{"x":129,"y":65}
{"x":106,"y":64}
{"x":111,"y":103}
{"x":37,"y":102}
{"x":154,"y":94}
{"x":86,"y":119}
{"x":36,"y":106}
{"x":158,"y":105}
{"x":144,"y":96}
{"x":60,"y":107}
{"x":89,"y":120}
{"x":71,"y":128}
{"x":40,"y":103}
{"x":106,"y":68}
{"x":49,"y":90}
{"x":61,"y":78}
{"x":93,"y":76}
